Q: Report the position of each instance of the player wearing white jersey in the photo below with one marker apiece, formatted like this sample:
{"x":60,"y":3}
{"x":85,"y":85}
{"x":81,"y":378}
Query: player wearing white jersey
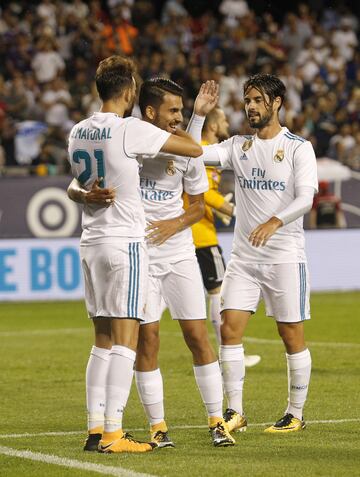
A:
{"x":113,"y":253}
{"x":174,"y":271}
{"x":275,"y":181}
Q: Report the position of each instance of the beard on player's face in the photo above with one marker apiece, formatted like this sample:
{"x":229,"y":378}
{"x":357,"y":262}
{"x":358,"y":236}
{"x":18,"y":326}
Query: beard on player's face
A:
{"x":258,"y":121}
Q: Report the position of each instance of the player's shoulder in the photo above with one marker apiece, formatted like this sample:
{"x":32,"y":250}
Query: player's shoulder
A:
{"x":293,"y":138}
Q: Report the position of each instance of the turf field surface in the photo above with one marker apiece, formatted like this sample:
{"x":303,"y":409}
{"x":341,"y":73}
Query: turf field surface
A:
{"x":44,"y":351}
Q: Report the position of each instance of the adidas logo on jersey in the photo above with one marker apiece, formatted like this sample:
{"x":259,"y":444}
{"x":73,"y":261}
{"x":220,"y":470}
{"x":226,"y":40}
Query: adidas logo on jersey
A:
{"x":243,"y":157}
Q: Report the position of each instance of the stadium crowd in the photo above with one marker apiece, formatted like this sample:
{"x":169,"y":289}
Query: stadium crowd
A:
{"x":50,"y":49}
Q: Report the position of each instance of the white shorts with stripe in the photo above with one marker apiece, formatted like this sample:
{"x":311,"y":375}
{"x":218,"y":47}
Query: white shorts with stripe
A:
{"x":284,"y":288}
{"x":180,"y":285}
{"x":115,"y":278}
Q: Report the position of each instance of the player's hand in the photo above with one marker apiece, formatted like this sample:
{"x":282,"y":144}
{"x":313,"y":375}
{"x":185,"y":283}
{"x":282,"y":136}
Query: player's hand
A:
{"x":207,"y":98}
{"x":225,"y":219}
{"x":100,"y":196}
{"x":261,"y":234}
{"x":161,"y":230}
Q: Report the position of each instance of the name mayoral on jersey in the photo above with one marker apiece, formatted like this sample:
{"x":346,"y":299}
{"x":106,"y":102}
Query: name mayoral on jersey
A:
{"x":150,"y":192}
{"x":91,"y":134}
{"x":259,"y":182}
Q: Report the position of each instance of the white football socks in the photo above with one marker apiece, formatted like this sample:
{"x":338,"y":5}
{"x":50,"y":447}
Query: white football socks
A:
{"x":96,"y":372}
{"x":299,"y":371}
{"x":208,"y":379}
{"x":150,"y":388}
{"x":118,"y":384}
{"x":233,"y":374}
{"x":214,"y":312}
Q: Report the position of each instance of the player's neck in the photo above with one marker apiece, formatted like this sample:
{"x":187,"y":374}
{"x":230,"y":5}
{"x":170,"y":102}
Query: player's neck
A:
{"x":269,"y":131}
{"x":210,"y":138}
{"x":116,"y":107}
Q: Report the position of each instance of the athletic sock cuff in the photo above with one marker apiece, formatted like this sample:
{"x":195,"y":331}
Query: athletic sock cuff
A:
{"x":123,"y":351}
{"x":299,"y":360}
{"x":207,"y":369}
{"x":145,"y":375}
{"x":231,"y":352}
{"x":102,"y":353}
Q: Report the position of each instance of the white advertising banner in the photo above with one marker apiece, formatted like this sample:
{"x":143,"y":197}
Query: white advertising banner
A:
{"x":49,"y":269}
{"x":333,"y":258}
{"x":36,"y":269}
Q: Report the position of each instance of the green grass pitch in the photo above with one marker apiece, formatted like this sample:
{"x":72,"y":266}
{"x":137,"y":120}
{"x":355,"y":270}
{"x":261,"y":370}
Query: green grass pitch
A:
{"x":44,"y":351}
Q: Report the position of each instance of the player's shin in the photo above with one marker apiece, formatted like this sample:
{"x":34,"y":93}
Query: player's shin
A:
{"x":214,"y":312}
{"x":233,"y":375}
{"x":118,"y":383}
{"x":150,"y":388}
{"x":299,"y":371}
{"x":208,"y":379}
{"x":96,"y":372}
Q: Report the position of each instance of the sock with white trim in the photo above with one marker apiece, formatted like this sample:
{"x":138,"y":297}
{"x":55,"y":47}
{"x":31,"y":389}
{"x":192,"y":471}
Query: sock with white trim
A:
{"x":96,"y":372}
{"x":299,"y":371}
{"x":233,"y":374}
{"x":214,"y":312}
{"x":208,"y":379}
{"x":118,"y":384}
{"x":150,"y":388}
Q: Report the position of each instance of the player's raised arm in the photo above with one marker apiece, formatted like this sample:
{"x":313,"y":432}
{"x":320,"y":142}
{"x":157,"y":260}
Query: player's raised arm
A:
{"x":182,"y":144}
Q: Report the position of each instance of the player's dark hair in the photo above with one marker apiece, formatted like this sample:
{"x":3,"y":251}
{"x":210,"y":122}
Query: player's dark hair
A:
{"x":152,"y":92}
{"x":270,"y":85}
{"x":113,"y":75}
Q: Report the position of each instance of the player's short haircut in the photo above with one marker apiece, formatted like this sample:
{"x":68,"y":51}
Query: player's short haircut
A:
{"x":270,"y":85}
{"x":153,"y":90}
{"x":211,"y":117}
{"x":113,"y":75}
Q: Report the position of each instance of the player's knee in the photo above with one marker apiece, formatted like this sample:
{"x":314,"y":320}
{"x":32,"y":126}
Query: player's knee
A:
{"x":292,"y":337}
{"x":149,"y":341}
{"x":197,"y":342}
{"x":229,"y":331}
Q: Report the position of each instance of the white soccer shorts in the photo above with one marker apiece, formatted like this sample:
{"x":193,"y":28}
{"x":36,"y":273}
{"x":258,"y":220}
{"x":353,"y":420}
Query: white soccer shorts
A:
{"x":115,"y":278}
{"x":284,"y":288}
{"x":180,"y":285}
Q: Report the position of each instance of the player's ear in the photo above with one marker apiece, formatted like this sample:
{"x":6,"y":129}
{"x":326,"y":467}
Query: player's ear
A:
{"x":150,"y":112}
{"x":277,"y":103}
{"x":128,"y":94}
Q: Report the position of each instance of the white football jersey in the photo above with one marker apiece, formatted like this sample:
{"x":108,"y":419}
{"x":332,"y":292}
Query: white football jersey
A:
{"x":163,"y":180}
{"x":106,"y":145}
{"x":266,"y":175}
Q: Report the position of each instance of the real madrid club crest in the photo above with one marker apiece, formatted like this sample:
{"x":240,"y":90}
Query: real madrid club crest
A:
{"x":247,"y":144}
{"x":170,"y":168}
{"x":279,"y":156}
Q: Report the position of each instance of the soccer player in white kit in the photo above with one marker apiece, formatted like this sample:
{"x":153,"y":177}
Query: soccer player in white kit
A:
{"x":112,"y":250}
{"x":275,"y":181}
{"x":174,"y":272}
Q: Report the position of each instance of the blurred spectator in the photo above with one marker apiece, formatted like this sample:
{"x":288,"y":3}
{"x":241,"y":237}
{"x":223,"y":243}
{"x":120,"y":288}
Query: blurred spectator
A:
{"x":326,"y":211}
{"x":120,"y":35}
{"x":56,"y":101}
{"x":233,"y":11}
{"x":173,"y":9}
{"x":44,"y":164}
{"x":47,"y":62}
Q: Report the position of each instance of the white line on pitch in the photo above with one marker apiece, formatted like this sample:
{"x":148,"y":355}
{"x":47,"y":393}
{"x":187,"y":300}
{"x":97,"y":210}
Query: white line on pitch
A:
{"x":47,"y":332}
{"x":71,"y":463}
{"x":200,"y":426}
